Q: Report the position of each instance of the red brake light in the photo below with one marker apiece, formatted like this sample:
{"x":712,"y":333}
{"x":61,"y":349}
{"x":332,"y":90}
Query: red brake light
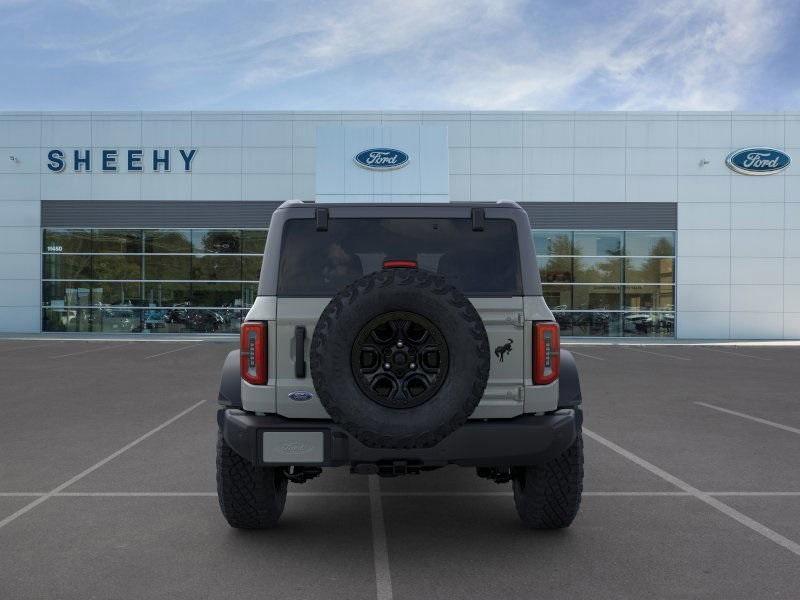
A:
{"x":546,"y":352}
{"x":399,"y":264}
{"x":253,"y":352}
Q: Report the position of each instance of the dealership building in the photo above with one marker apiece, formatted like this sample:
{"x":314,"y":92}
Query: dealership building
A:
{"x":647,"y":225}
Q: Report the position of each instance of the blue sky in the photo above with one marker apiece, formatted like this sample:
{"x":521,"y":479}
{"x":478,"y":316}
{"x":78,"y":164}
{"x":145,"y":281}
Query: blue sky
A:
{"x":400,"y":54}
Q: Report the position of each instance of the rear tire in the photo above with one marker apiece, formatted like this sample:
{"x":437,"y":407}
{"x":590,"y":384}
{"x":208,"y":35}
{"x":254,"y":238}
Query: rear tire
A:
{"x":250,"y":497}
{"x":548,"y":496}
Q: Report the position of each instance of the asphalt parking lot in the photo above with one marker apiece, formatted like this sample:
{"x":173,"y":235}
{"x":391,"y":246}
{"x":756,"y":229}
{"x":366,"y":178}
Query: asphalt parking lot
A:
{"x":107,"y":489}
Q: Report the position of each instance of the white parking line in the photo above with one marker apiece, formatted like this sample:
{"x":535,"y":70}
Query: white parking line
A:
{"x":194,"y":345}
{"x":751,"y":418}
{"x":31,"y":505}
{"x":740,"y":354}
{"x":383,"y":494}
{"x":91,"y":350}
{"x":586,"y":355}
{"x":657,"y":353}
{"x":380,"y":552}
{"x":734,"y":514}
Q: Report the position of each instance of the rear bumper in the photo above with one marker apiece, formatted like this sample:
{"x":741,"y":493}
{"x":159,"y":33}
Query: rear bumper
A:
{"x":524,"y":440}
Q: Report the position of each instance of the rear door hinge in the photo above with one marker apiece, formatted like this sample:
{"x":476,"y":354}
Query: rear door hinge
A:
{"x":518,"y":320}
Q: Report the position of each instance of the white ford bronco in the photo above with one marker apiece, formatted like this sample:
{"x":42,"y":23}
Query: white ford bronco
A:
{"x":394,"y":339}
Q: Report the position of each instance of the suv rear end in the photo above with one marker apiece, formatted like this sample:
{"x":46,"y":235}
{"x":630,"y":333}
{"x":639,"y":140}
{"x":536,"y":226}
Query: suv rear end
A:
{"x":487,"y":394}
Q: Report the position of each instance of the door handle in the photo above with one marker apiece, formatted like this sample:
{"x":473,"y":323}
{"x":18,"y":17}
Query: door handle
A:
{"x":300,"y":352}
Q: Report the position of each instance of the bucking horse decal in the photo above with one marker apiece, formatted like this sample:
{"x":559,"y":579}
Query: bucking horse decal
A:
{"x":501,"y":351}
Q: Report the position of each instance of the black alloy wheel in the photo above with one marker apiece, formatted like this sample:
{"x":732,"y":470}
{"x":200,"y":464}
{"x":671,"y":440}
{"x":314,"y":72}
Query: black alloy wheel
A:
{"x":400,"y":359}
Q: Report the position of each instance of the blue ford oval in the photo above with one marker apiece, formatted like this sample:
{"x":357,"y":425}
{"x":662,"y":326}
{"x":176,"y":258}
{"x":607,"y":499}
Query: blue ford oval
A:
{"x":758,"y":161}
{"x":381,"y":159}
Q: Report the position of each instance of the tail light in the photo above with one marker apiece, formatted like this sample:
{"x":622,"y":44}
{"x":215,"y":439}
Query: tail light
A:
{"x":253,"y":352}
{"x":545,"y":353}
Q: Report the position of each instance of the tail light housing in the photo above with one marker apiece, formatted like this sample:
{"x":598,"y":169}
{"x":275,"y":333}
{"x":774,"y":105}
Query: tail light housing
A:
{"x":546,"y":353}
{"x":253,"y":352}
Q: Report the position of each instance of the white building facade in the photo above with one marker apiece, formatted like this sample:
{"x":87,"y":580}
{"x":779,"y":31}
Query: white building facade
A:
{"x":154,"y":222}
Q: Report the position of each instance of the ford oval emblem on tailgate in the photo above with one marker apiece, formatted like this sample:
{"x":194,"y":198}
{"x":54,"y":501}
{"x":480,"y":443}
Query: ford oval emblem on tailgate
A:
{"x":300,"y":396}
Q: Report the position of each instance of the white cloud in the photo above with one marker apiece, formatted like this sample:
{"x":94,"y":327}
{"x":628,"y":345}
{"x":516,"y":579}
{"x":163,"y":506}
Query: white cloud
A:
{"x":472,"y":54}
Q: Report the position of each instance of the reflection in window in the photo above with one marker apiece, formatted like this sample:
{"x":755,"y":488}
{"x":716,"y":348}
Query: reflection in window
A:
{"x":558,"y":297}
{"x":117,"y":240}
{"x":67,"y":266}
{"x":597,"y":297}
{"x":650,"y":243}
{"x":649,"y":270}
{"x":251,"y":268}
{"x":140,"y":280}
{"x":598,"y":270}
{"x":227,"y":241}
{"x":594,"y":290}
{"x":115,"y":266}
{"x":649,"y":297}
{"x":598,"y":243}
{"x":216,"y":267}
{"x":552,"y":242}
{"x":253,"y":241}
{"x":168,"y":267}
{"x":167,"y":241}
{"x":557,"y":269}
{"x":67,"y":240}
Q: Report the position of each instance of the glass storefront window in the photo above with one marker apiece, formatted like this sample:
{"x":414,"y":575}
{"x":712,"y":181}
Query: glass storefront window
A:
{"x":555,"y":269}
{"x":216,"y":267}
{"x":650,"y":270}
{"x":597,"y":297}
{"x":168,"y":241}
{"x":217,"y":294}
{"x":177,"y":267}
{"x":597,"y":283}
{"x":598,"y":243}
{"x":227,"y":241}
{"x":558,"y":297}
{"x":549,"y":243}
{"x":67,"y":240}
{"x":253,"y":241}
{"x":117,"y":240}
{"x":67,"y":266}
{"x":117,"y":266}
{"x":251,"y":268}
{"x":598,"y":270}
{"x":609,"y":283}
{"x":143,"y":280}
{"x":167,"y":293}
{"x":649,"y":243}
{"x":649,"y":297}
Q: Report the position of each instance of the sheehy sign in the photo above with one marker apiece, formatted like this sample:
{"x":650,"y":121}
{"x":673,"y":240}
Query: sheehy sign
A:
{"x":134,"y":160}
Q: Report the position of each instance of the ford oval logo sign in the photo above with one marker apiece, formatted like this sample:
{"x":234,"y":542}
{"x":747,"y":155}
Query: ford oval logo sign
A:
{"x":381,"y":159}
{"x":758,"y":161}
{"x":300,"y":396}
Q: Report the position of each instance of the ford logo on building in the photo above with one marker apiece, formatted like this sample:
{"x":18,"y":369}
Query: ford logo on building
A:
{"x":381,"y":159}
{"x":758,"y":161}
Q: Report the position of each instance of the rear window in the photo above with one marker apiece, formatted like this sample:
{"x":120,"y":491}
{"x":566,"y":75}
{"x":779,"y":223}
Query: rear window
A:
{"x":479,"y":263}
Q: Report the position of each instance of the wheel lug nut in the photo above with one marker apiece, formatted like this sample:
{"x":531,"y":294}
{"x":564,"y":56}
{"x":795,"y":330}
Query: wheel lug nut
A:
{"x":412,"y":366}
{"x":387,"y":366}
{"x":400,"y":344}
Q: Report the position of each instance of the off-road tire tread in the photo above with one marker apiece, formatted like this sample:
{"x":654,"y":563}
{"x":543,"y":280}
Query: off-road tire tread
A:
{"x":420,"y":280}
{"x":249,"y":496}
{"x":549,"y":496}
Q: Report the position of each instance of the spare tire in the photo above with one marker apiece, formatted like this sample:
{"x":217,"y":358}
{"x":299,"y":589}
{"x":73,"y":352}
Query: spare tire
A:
{"x":400,"y":358}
